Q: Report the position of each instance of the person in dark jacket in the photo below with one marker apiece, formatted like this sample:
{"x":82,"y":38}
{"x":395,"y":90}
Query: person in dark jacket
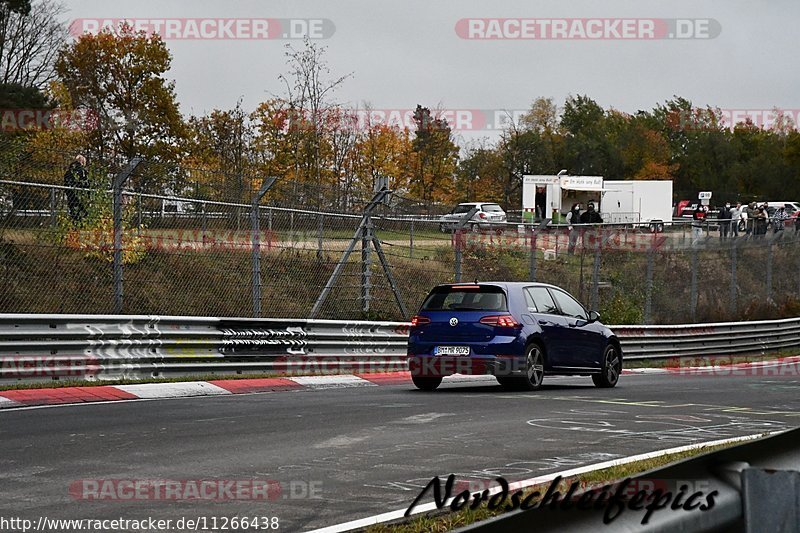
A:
{"x":76,"y":176}
{"x":590,"y":216}
{"x":724,"y":221}
{"x":573,"y":217}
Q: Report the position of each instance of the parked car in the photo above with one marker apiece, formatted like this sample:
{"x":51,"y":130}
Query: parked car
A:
{"x":517,"y":331}
{"x":488,"y":214}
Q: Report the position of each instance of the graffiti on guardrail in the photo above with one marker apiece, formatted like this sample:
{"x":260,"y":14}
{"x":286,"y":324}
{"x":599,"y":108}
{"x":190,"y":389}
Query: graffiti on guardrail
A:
{"x":237,"y":341}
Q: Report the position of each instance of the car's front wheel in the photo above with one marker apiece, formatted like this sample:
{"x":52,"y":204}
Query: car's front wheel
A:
{"x":534,"y":368}
{"x":611,"y":369}
{"x":426,"y":383}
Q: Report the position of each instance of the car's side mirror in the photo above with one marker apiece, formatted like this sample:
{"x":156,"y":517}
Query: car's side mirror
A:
{"x":594,"y":316}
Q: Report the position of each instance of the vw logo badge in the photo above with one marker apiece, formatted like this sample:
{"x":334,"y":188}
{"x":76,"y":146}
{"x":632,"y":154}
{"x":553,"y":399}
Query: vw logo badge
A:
{"x":454,"y":321}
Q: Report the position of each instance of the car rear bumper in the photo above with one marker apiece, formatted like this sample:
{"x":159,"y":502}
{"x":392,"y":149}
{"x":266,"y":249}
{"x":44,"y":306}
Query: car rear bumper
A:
{"x":434,"y":366}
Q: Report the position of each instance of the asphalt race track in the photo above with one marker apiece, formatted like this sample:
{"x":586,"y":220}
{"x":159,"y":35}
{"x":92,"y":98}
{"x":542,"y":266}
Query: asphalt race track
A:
{"x":362,"y":451}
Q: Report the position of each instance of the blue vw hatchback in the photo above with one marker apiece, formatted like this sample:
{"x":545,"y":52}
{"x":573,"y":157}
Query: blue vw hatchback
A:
{"x":518,"y":332}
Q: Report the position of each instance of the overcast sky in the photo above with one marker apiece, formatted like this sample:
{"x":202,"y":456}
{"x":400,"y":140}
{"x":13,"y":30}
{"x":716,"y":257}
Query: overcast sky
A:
{"x":406,"y":52}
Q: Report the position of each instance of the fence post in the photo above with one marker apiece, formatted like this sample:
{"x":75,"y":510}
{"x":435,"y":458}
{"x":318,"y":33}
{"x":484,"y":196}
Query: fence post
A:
{"x":734,"y":292}
{"x":596,"y":273}
{"x":769,"y":271}
{"x":693,"y":289}
{"x":648,"y":299}
{"x":411,"y":241}
{"x":119,"y":181}
{"x":366,"y":264}
{"x":459,"y":238}
{"x":319,"y":237}
{"x":532,"y":266}
{"x":52,"y":207}
{"x":255,"y":237}
{"x":139,"y":214}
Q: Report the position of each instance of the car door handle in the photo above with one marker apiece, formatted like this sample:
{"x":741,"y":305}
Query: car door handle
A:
{"x":544,"y":322}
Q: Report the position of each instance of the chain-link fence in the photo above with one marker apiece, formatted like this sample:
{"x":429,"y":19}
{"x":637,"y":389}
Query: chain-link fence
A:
{"x":206,"y":245}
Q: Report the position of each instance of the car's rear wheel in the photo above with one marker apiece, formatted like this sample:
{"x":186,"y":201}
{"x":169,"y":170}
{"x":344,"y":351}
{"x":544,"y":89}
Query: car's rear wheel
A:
{"x":534,"y":368}
{"x":611,"y":370}
{"x":426,"y":383}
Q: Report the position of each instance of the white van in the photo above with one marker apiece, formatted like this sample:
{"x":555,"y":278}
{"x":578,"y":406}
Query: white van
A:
{"x":791,"y":207}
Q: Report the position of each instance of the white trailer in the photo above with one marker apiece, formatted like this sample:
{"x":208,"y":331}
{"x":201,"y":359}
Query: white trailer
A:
{"x":630,"y":202}
{"x":552,"y":196}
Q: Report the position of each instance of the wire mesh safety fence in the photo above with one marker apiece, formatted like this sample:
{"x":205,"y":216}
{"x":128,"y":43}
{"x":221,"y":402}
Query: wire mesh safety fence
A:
{"x":189,"y":250}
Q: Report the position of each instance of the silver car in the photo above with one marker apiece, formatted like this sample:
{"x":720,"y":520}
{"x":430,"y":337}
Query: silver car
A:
{"x":488,"y":216}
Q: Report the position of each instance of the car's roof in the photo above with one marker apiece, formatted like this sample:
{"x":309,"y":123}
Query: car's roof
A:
{"x":506,"y":284}
{"x":478,"y":203}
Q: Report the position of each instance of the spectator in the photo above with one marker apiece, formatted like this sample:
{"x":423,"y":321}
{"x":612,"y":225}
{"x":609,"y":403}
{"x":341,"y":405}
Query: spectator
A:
{"x":76,"y":177}
{"x":573,"y":217}
{"x":749,"y":218}
{"x":736,"y":217}
{"x":698,"y":219}
{"x":724,"y":221}
{"x":590,"y":216}
{"x":779,"y":222}
{"x":760,"y":222}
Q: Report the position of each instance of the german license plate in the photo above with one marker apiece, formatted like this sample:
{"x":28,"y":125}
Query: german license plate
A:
{"x":451,"y":350}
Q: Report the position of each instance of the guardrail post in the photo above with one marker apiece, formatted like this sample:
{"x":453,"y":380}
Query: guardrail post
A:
{"x":255,"y":236}
{"x":734,"y":291}
{"x":119,"y":181}
{"x":769,"y":271}
{"x":693,"y":289}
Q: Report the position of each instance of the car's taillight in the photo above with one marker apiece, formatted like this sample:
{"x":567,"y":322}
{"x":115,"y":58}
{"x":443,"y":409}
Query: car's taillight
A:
{"x":418,"y":320}
{"x":482,"y":215}
{"x":501,"y":321}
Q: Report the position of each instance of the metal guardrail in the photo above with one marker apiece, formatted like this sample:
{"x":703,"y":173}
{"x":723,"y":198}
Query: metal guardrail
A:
{"x":46,"y":347}
{"x":755,"y":486}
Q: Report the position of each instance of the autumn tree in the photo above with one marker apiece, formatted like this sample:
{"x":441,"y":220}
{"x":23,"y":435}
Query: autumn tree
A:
{"x":309,"y":87}
{"x":220,"y":147}
{"x":435,"y":157}
{"x":31,"y":36}
{"x":119,"y":76}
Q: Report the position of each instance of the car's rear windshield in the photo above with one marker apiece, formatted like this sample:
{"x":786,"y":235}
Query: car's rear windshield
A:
{"x":492,"y":208}
{"x":466,"y":298}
